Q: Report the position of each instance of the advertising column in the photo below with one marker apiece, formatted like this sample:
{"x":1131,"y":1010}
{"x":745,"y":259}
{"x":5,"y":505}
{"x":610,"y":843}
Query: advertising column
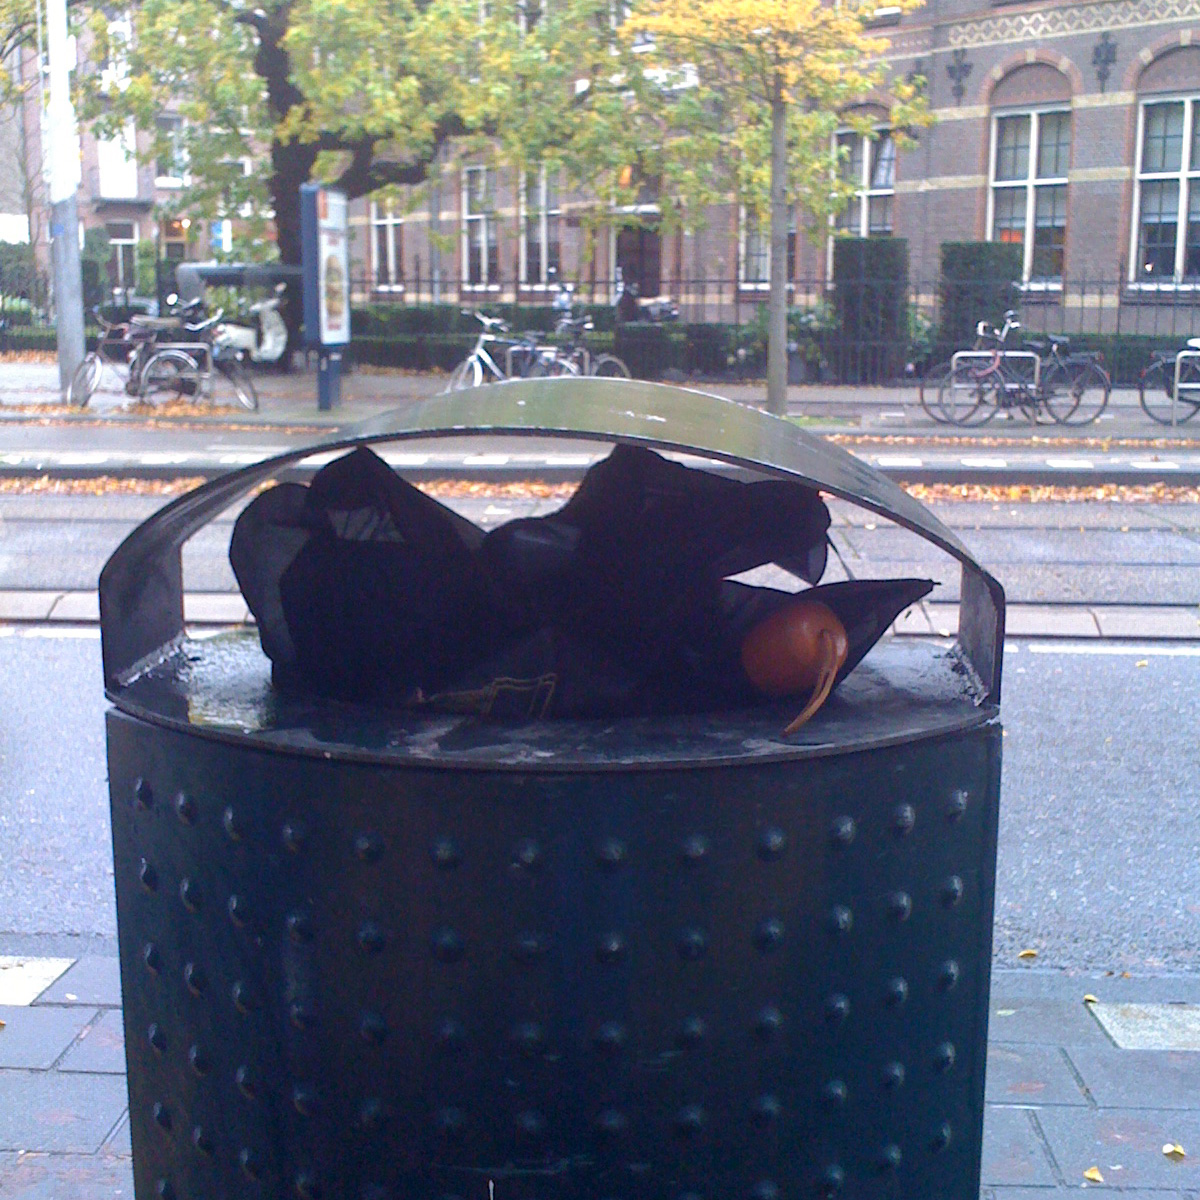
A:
{"x":325,"y":265}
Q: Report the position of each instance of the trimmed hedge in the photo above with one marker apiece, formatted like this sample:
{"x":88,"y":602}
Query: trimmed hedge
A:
{"x":870,"y":294}
{"x":388,"y":320}
{"x":414,"y":352}
{"x":29,"y":337}
{"x":978,"y":283}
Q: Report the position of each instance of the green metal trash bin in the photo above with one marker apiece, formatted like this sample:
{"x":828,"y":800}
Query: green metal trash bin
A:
{"x":372,"y":954}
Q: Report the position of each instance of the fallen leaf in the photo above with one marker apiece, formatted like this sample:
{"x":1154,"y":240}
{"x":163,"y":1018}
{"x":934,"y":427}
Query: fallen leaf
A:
{"x":1005,"y":1012}
{"x":1142,"y":662}
{"x":1027,"y":954}
{"x":1174,"y":1150}
{"x":1093,"y":1173}
{"x":1090,"y":999}
{"x":1126,"y":975}
{"x":1,"y":1024}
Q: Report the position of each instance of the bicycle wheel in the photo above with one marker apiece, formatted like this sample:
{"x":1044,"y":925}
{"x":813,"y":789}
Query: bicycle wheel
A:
{"x":169,"y":375}
{"x":1077,"y":393}
{"x":1156,"y":385}
{"x":929,"y":387}
{"x":965,"y":398}
{"x":240,"y":380}
{"x":85,"y":380}
{"x":468,"y":374}
{"x":1189,"y":391}
{"x":609,"y":366}
{"x":553,"y":368}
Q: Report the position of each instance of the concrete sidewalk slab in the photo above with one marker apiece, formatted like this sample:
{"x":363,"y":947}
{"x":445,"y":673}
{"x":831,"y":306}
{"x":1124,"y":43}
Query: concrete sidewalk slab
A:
{"x":1024,"y":1074}
{"x":36,"y":1038}
{"x":23,"y":978}
{"x":100,"y":1049}
{"x":1143,"y":623}
{"x":1132,"y":1078}
{"x":1011,"y":1151}
{"x":1045,"y":620}
{"x":76,"y":606}
{"x":91,"y":981}
{"x":28,"y":606}
{"x":1150,"y":1026}
{"x":1126,"y":1147}
{"x":1044,"y":1022}
{"x":30,"y":1176}
{"x":56,"y":1113}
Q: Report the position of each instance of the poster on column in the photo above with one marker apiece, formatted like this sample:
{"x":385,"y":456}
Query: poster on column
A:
{"x":326,"y":266}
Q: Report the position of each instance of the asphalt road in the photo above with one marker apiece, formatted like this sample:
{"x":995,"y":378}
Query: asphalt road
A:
{"x":1078,"y":553}
{"x":1098,"y":828}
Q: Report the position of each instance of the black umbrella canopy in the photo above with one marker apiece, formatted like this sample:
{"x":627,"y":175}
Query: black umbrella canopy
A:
{"x":141,"y":587}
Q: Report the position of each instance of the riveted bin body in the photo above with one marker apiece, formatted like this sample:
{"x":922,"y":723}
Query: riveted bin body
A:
{"x":376,"y":955}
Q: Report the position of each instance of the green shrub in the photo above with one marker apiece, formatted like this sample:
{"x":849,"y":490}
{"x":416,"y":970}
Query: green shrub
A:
{"x":870,"y":288}
{"x":18,"y":274}
{"x":978,"y":283}
{"x":30,"y":337}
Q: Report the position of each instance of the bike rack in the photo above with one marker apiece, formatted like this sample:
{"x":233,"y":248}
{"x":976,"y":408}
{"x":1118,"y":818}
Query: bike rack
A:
{"x":986,"y":356}
{"x":1180,"y":358}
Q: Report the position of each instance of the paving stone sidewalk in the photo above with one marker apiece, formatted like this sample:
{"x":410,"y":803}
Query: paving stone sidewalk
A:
{"x":1074,"y":1089}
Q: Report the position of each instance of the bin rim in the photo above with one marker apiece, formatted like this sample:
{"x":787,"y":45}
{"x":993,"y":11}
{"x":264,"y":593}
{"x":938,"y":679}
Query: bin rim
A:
{"x":141,"y":585}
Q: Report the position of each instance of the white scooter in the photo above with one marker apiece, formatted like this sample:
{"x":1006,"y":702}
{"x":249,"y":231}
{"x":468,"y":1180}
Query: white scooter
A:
{"x":261,"y":339}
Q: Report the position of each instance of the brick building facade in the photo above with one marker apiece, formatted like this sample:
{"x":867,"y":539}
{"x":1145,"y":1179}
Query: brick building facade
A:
{"x":1071,"y":129}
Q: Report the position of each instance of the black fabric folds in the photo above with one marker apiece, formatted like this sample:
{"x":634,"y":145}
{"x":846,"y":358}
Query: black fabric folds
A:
{"x":619,"y":603}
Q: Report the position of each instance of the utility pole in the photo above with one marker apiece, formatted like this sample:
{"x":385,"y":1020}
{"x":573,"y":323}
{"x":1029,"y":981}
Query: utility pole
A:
{"x":61,"y":147}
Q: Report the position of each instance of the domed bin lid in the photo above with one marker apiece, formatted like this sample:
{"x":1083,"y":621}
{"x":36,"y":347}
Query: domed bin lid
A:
{"x":220,"y":687}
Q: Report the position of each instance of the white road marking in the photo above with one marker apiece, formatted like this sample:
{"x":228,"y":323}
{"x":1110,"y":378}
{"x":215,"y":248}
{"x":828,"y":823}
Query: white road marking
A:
{"x":1070,"y":464}
{"x":982,"y":461}
{"x":1145,"y":464}
{"x":87,"y":458}
{"x":158,"y":458}
{"x":898,"y":460}
{"x":485,"y":460}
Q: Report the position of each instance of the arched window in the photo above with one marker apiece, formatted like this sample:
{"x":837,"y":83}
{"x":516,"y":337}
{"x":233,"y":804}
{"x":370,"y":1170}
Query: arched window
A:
{"x":1165,"y":243}
{"x":1027,"y":169}
{"x":868,"y":164}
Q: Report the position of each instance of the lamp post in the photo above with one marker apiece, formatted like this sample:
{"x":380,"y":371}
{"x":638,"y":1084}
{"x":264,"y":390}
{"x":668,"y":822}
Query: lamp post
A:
{"x":62,"y":150}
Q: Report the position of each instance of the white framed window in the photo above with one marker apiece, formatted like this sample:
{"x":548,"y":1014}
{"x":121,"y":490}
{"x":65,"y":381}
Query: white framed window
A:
{"x":116,"y":165}
{"x":481,"y":258}
{"x":122,"y":261}
{"x":1027,"y":196}
{"x":754,"y":250}
{"x":1166,"y":216}
{"x":868,"y":164}
{"x":541,"y":216}
{"x":387,"y":247}
{"x":170,"y":167}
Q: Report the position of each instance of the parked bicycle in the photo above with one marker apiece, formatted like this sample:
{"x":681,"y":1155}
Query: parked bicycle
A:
{"x":159,"y":359}
{"x":1072,"y":388}
{"x":574,"y":347}
{"x":1157,"y":385}
{"x":498,"y":356}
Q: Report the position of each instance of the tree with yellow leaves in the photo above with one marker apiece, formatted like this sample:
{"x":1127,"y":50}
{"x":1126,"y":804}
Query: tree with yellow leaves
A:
{"x":753,"y":92}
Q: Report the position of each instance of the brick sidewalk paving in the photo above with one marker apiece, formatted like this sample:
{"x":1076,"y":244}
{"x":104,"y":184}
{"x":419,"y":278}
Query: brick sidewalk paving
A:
{"x":1072,"y":1087}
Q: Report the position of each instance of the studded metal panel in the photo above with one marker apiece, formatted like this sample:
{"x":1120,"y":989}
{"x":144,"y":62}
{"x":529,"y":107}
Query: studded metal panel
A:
{"x":354,"y":982}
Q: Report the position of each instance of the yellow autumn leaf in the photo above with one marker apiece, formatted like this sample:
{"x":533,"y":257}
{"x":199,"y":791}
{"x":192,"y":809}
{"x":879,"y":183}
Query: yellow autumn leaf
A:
{"x":1174,"y":1150}
{"x":1028,"y":954}
{"x":1142,"y":662}
{"x":1093,"y":1174}
{"x":1090,"y":999}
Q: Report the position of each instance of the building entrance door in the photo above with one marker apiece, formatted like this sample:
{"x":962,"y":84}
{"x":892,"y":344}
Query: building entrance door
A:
{"x":639,"y":255}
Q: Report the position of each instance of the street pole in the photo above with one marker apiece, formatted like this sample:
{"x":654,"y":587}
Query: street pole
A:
{"x":62,"y":151}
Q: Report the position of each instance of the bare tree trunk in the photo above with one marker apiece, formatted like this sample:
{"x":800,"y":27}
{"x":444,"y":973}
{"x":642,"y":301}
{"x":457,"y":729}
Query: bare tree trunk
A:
{"x":777,"y":363}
